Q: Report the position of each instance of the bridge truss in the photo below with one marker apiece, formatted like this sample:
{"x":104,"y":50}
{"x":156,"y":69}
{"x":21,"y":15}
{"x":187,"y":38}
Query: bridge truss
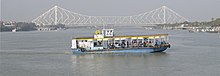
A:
{"x":58,"y":15}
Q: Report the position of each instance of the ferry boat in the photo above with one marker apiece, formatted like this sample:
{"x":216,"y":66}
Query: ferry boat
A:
{"x":104,"y":41}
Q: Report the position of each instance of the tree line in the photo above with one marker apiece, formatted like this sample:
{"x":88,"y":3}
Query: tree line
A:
{"x":212,"y":23}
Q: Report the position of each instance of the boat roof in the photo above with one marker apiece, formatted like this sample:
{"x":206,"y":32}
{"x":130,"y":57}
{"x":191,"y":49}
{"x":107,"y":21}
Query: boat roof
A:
{"x":126,"y":36}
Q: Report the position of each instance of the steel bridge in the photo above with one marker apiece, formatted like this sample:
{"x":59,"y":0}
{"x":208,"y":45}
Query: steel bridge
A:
{"x":58,"y":15}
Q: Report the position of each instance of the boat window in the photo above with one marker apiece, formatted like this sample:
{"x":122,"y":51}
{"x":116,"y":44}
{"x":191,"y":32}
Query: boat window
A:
{"x":150,"y":42}
{"x":98,"y":43}
{"x":95,"y":44}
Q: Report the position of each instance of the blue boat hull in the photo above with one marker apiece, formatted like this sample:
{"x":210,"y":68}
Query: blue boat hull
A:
{"x":131,"y":50}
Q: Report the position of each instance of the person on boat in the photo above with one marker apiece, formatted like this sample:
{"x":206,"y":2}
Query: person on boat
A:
{"x":77,"y":44}
{"x":164,"y":42}
{"x":111,"y":46}
{"x":81,"y":44}
{"x":150,"y":44}
{"x":116,"y":45}
{"x":95,"y":44}
{"x":156,"y":44}
{"x":123,"y":44}
{"x":127,"y":44}
{"x":100,"y":43}
{"x":83,"y":50}
{"x":134,"y":43}
{"x":169,"y":45}
{"x":146,"y":44}
{"x":140,"y":44}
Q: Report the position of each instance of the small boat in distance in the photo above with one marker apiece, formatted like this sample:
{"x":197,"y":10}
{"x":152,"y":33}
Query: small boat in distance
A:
{"x":14,"y":30}
{"x":104,"y":41}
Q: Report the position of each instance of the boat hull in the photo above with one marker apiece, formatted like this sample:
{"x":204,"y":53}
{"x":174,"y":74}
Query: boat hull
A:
{"x":130,"y":50}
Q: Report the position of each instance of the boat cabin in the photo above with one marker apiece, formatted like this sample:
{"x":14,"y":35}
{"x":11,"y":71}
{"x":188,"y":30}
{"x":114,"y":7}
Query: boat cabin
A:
{"x":105,"y":39}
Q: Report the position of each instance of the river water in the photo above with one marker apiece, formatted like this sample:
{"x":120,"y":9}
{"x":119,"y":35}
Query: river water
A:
{"x":42,"y":53}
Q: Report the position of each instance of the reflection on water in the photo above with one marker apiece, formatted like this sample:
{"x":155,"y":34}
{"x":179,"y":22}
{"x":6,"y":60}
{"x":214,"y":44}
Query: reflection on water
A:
{"x":140,"y":55}
{"x":100,"y":64}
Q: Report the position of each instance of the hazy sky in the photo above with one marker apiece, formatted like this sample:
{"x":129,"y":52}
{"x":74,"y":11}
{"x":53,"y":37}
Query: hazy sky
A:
{"x":27,"y":10}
